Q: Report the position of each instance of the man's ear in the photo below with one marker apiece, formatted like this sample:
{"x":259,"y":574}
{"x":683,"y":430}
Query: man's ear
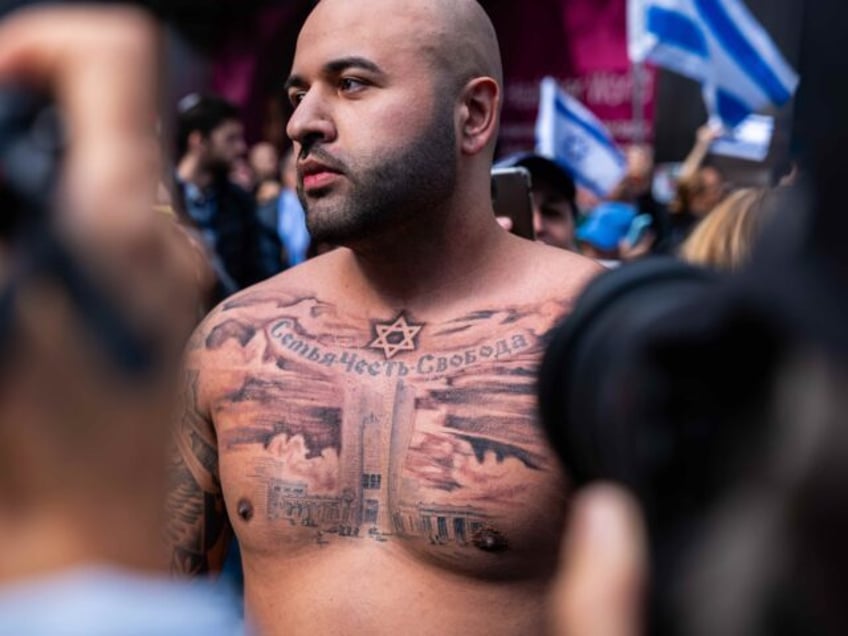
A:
{"x":478,"y":115}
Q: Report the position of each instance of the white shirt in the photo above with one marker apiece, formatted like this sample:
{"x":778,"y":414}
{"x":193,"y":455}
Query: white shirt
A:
{"x":104,"y":601}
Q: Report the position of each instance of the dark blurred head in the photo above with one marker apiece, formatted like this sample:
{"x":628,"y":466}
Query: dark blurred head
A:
{"x":639,"y":176}
{"x":210,"y":129}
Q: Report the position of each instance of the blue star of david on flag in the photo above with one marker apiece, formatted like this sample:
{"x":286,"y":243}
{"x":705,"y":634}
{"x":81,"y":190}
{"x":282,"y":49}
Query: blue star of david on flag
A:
{"x":570,"y":134}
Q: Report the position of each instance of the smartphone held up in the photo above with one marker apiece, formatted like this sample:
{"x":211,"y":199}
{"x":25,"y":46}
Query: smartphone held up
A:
{"x":512,"y":199}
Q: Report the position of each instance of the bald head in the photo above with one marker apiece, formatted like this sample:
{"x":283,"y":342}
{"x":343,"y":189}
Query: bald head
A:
{"x":464,"y":40}
{"x":397,"y":96}
{"x":457,"y":36}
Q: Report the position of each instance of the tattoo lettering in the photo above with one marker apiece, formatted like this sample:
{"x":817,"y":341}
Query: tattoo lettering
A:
{"x":285,"y":333}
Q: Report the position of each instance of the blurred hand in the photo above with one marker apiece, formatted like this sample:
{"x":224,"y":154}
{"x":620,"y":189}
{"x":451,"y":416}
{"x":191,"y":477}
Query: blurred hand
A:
{"x":599,"y":589}
{"x":707,"y":134}
{"x":505,"y":222}
{"x":628,"y":252}
{"x":99,"y":64}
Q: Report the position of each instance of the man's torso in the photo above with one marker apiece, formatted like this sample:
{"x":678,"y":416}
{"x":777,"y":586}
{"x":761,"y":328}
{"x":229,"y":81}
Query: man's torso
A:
{"x":366,"y":459}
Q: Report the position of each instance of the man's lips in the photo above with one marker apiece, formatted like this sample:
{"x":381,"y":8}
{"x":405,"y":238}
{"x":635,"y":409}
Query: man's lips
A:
{"x":319,"y":180}
{"x":315,"y":175}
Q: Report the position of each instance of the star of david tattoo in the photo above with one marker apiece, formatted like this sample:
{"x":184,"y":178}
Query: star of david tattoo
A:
{"x":393,"y":337}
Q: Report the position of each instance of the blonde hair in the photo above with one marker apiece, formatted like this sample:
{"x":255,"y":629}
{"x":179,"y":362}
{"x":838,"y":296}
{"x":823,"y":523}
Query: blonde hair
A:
{"x":724,"y":238}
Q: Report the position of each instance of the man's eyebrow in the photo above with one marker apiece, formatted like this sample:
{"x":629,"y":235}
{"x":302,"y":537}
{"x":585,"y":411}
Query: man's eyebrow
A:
{"x":335,"y":67}
{"x":342,"y":64}
{"x":294,"y":81}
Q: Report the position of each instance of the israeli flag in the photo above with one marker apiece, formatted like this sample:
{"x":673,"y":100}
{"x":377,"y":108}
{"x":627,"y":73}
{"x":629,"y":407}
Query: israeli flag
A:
{"x":717,"y":43}
{"x":569,"y":134}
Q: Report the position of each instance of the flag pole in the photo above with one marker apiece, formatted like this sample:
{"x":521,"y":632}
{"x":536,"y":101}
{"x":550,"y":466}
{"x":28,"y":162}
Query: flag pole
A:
{"x":639,"y":131}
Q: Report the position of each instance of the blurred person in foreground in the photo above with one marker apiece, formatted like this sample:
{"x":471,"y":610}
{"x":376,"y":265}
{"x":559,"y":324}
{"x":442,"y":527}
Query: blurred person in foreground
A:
{"x":210,"y":144}
{"x":553,"y":192}
{"x":769,"y":557}
{"x":90,"y":349}
{"x":366,"y":423}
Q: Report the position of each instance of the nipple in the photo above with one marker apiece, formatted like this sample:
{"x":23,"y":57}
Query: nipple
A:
{"x":488,"y":539}
{"x":245,"y":509}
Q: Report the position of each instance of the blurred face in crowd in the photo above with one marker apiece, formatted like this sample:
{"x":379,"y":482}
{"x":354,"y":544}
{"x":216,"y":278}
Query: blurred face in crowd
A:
{"x":640,"y":166}
{"x":709,"y":192}
{"x":373,"y":126}
{"x":553,"y":216}
{"x":265,"y":161}
{"x":224,"y":146}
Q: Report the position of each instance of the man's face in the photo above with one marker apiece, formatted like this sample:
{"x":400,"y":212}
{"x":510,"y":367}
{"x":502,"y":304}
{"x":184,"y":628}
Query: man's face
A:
{"x":373,"y":134}
{"x":553,"y":217}
{"x":224,"y":146}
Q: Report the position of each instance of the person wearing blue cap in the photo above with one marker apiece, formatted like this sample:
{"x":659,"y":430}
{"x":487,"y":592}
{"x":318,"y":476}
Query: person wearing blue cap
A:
{"x":603,"y":231}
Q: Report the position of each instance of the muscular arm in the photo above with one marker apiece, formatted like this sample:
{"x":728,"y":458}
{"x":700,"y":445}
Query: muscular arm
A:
{"x":198,"y":529}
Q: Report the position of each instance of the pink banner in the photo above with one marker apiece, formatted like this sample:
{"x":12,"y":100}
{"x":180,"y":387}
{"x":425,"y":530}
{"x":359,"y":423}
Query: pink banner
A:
{"x":581,"y":43}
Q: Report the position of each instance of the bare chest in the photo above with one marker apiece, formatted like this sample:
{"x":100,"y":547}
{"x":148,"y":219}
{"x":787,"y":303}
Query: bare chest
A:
{"x":429,"y":441}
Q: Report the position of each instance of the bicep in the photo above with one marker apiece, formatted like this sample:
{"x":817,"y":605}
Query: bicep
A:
{"x":198,"y":529}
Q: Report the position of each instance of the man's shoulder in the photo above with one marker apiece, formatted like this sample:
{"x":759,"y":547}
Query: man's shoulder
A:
{"x":289,"y":288}
{"x":565,"y":261}
{"x":552,"y":269}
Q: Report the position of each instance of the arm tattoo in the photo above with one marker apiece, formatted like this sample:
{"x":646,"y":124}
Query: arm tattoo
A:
{"x":198,"y":530}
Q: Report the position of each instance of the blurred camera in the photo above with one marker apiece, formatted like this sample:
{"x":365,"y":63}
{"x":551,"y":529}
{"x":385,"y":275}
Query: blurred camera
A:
{"x":31,"y":151}
{"x":30,"y":154}
{"x":662,"y":379}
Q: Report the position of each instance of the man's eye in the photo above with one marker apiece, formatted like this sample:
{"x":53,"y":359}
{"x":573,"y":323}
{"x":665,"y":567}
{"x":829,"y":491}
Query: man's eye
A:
{"x":295,"y":97}
{"x":348,"y":84}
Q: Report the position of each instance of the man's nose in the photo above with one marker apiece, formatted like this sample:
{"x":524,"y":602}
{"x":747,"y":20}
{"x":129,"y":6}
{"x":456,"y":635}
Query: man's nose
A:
{"x":311,"y":121}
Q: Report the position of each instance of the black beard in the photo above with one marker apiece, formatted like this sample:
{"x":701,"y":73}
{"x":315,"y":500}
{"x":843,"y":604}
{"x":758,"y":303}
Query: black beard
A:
{"x":392,"y":191}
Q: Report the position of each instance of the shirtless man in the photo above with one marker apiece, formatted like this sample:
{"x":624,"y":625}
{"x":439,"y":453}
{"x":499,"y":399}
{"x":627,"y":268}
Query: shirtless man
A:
{"x":365,"y":422}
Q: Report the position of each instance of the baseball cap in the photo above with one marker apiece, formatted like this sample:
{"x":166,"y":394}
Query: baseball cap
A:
{"x":544,"y":169}
{"x":606,"y":225}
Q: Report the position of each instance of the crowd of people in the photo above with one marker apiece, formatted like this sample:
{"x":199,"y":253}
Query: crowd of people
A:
{"x":356,"y":338}
{"x":244,"y":203}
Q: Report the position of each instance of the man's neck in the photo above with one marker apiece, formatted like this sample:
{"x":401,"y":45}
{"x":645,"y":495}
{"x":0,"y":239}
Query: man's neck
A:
{"x":436,"y":262}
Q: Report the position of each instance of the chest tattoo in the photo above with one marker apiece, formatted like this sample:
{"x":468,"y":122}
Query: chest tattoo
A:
{"x":389,"y":431}
{"x":393,"y":337}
